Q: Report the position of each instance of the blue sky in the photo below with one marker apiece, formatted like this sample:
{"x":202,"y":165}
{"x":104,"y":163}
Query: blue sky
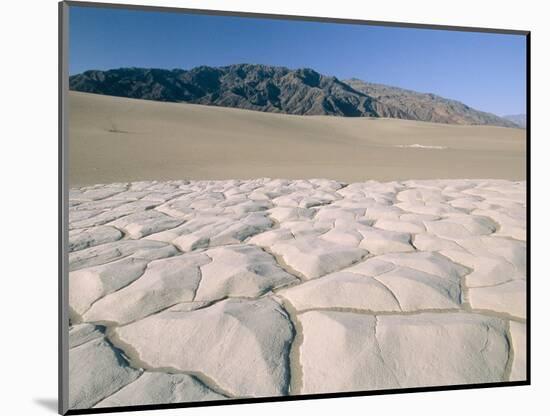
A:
{"x":485,"y":71}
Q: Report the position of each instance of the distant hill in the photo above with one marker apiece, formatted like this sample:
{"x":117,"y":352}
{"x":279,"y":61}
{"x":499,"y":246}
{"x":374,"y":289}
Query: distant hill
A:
{"x":519,"y":119}
{"x":253,"y":87}
{"x":414,"y":105}
{"x":279,"y":90}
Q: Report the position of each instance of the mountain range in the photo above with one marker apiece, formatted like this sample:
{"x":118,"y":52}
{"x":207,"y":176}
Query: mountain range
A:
{"x":519,"y":119}
{"x":413,"y":105}
{"x":277,"y":89}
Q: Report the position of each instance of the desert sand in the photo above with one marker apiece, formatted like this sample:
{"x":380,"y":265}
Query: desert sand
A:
{"x":117,"y":139}
{"x":185,"y":291}
{"x":184,"y":288}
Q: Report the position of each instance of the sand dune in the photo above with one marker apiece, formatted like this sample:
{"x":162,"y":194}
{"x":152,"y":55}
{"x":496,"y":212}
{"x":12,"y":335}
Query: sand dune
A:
{"x":117,"y":139}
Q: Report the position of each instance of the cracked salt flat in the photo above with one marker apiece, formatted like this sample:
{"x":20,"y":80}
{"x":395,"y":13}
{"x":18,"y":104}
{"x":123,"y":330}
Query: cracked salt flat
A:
{"x":211,"y":290}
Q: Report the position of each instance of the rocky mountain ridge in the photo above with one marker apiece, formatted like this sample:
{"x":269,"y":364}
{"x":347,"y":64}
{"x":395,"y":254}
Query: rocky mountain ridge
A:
{"x":276,"y":89}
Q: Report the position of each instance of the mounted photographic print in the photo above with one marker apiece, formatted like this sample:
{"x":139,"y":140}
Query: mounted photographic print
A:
{"x":266,"y":208}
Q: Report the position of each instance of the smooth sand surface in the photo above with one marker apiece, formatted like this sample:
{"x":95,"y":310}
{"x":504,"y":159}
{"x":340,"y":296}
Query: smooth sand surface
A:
{"x":115,"y":139}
